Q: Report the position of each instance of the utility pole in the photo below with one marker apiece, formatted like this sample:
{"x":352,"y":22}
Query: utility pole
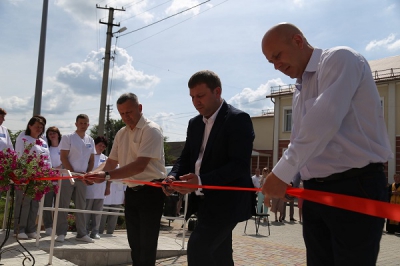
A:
{"x":107,"y":57}
{"x":37,"y":104}
{"x":108,"y":128}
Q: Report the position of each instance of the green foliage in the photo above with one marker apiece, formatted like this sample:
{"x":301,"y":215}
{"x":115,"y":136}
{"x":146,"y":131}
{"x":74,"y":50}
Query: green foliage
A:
{"x":13,"y":136}
{"x":167,"y":154}
{"x":111,"y":129}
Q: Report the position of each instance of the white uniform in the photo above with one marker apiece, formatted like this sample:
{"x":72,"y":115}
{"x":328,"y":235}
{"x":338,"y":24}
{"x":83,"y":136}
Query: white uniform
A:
{"x":94,"y":199}
{"x":115,"y":199}
{"x":80,"y":151}
{"x":50,"y":197}
{"x":117,"y":195}
{"x":96,"y":191}
{"x":5,"y":140}
{"x":55,"y":156}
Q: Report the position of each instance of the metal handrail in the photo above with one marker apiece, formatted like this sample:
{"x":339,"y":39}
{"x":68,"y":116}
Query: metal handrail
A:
{"x":280,"y":89}
{"x":386,"y":74}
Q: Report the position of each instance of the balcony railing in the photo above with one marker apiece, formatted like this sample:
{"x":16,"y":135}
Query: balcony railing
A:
{"x":282,"y":89}
{"x":267,"y":112}
{"x":387,"y":74}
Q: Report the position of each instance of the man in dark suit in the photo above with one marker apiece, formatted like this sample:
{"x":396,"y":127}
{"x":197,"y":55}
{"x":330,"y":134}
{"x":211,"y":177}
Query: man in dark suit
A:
{"x":217,"y":152}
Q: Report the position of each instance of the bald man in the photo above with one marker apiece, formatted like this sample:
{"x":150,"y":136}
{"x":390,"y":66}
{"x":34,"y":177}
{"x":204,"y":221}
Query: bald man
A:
{"x":338,"y":144}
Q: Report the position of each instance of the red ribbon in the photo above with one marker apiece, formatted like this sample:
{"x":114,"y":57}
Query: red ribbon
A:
{"x":356,"y":204}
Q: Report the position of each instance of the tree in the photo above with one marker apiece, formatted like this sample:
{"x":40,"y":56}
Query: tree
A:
{"x":111,"y":128}
{"x":13,"y":136}
{"x":167,"y":153}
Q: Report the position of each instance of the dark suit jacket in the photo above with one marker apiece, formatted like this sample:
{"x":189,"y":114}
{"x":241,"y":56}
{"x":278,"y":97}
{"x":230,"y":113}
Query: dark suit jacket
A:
{"x":226,"y":162}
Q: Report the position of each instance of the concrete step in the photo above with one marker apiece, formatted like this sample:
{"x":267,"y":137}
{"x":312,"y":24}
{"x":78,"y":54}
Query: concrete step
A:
{"x":109,"y":250}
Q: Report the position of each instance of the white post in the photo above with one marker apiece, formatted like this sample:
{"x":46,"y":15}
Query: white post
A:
{"x":5,"y":217}
{"x":184,"y":220}
{"x":53,"y":232}
{"x":41,"y":204}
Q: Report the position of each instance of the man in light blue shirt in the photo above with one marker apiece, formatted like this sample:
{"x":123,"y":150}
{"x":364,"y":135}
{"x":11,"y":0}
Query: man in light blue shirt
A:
{"x":338,"y":144}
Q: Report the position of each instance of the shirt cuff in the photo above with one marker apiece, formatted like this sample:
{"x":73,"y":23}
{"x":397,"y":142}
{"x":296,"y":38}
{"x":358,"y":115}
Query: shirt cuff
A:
{"x":198,"y":191}
{"x":285,"y":171}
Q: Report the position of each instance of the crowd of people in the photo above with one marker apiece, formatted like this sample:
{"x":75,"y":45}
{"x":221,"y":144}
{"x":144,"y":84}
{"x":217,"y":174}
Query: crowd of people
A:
{"x":77,"y":152}
{"x":328,"y":151}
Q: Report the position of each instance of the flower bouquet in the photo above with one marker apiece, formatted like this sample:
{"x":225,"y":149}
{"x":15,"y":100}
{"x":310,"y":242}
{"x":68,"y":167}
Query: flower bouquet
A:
{"x":26,"y":172}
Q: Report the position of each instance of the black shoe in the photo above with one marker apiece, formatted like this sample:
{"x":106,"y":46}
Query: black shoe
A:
{"x":293,"y":220}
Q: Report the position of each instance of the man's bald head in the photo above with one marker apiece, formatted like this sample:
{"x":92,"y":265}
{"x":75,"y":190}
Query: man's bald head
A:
{"x":285,"y":46}
{"x":283,"y":32}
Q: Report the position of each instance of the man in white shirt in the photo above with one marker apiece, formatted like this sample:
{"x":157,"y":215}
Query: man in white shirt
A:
{"x":138,"y":148}
{"x":77,"y":151}
{"x":338,"y":144}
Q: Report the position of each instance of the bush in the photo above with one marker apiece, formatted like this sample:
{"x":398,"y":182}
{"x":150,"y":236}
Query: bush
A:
{"x":71,"y":222}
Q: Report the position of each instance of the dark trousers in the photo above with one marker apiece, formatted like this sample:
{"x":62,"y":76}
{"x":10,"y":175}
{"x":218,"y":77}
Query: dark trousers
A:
{"x":143,"y":210}
{"x":291,"y":209}
{"x":335,"y":236}
{"x":211,"y":245}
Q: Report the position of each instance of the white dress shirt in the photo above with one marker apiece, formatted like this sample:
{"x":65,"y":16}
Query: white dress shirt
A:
{"x":208,"y":126}
{"x":338,"y":120}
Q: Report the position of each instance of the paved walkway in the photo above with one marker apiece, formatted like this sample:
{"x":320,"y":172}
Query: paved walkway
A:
{"x":284,"y":246}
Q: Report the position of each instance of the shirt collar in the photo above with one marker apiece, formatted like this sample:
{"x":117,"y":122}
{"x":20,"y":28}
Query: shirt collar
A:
{"x":212,"y":118}
{"x":312,"y":66}
{"x":140,"y":123}
{"x":313,"y":63}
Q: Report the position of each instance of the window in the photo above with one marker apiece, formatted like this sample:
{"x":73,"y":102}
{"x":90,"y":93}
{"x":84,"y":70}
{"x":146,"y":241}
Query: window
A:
{"x":287,"y":120}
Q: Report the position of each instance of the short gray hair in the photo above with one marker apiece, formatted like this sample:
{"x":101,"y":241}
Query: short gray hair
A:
{"x":128,"y":96}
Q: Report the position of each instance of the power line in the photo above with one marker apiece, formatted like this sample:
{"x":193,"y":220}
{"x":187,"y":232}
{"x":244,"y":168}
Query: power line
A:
{"x":151,"y":24}
{"x":147,"y":10}
{"x":175,"y":25}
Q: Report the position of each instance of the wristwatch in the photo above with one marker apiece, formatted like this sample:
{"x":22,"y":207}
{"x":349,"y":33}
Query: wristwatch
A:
{"x":108,"y":177}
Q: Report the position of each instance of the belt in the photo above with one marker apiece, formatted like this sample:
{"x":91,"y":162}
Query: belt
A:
{"x":137,"y":188}
{"x":353,"y":172}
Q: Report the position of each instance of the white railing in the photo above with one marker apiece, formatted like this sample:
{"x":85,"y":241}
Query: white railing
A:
{"x":56,"y":209}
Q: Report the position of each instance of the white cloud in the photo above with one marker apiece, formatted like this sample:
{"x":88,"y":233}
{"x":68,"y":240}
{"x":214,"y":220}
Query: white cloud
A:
{"x":298,"y":3}
{"x":85,"y":11}
{"x":16,"y":104}
{"x":254,"y":101}
{"x":391,"y":7}
{"x":180,"y":5}
{"x":85,"y":78}
{"x":394,"y":46}
{"x":384,"y":43}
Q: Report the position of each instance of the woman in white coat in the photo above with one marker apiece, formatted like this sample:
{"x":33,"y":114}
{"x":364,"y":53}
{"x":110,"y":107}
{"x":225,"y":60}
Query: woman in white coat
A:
{"x":53,"y":137}
{"x":95,"y":192}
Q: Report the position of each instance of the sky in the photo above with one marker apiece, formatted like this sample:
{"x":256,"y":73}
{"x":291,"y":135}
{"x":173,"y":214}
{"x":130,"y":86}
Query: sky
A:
{"x":162,"y":47}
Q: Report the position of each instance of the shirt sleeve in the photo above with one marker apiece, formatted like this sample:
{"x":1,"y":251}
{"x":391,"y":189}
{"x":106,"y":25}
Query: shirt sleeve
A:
{"x":151,"y":144}
{"x":338,"y":79}
{"x":65,"y":143}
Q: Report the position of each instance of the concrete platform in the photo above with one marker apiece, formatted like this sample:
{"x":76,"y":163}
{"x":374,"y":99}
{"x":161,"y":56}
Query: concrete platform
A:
{"x":109,"y":250}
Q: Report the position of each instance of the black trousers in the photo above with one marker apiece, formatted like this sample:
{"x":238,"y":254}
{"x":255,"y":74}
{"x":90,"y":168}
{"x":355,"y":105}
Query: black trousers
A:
{"x":335,"y":236}
{"x":143,"y":210}
{"x":211,"y":245}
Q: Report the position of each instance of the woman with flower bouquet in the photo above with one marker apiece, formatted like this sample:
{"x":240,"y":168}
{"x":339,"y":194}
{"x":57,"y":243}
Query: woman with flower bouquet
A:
{"x":34,"y":153}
